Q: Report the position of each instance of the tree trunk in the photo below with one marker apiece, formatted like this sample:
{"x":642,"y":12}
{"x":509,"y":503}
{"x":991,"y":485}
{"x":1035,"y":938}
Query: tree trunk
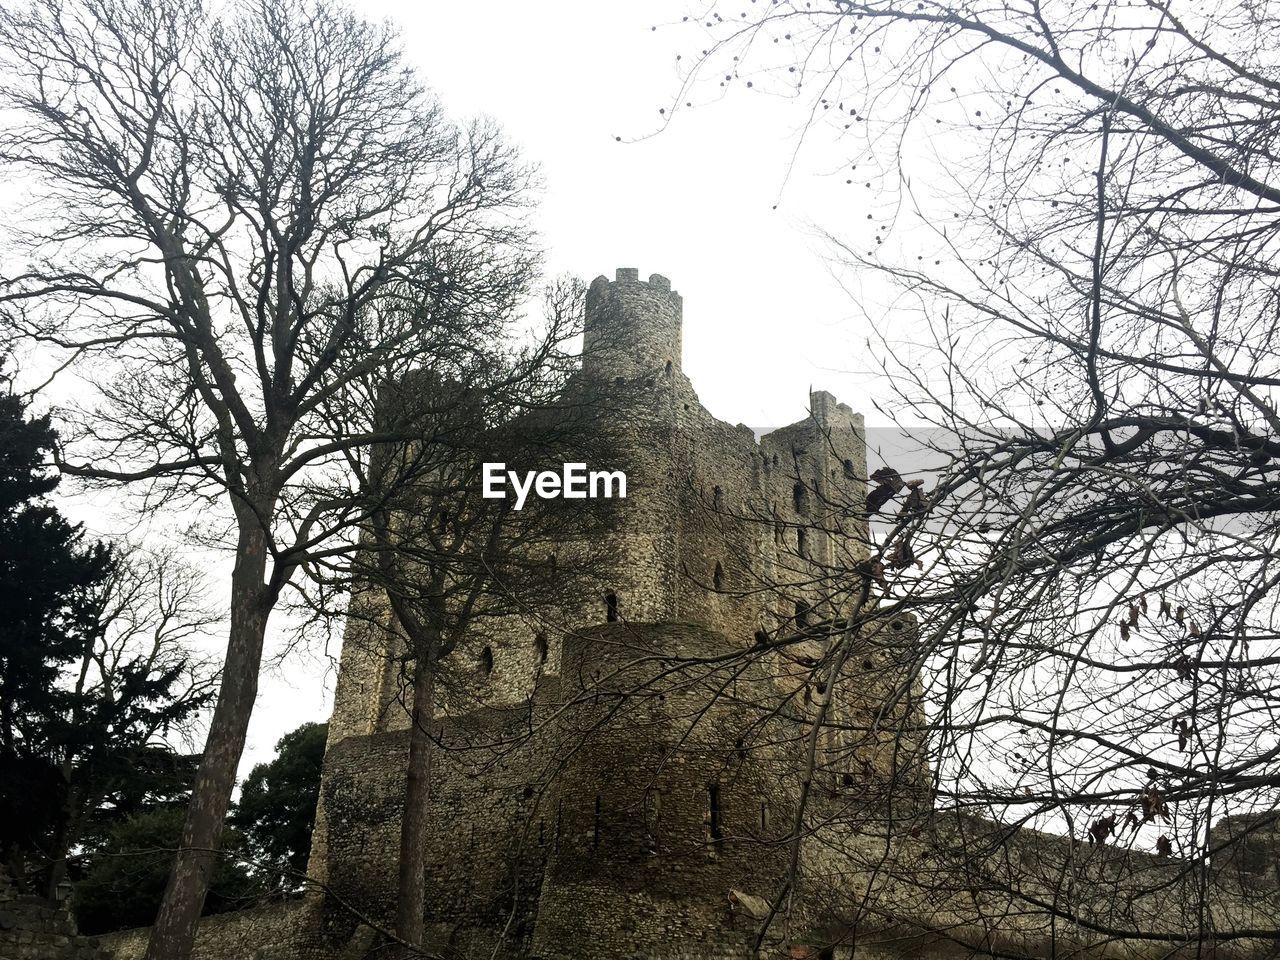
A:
{"x":174,"y":932}
{"x":67,"y":828}
{"x":412,"y":892}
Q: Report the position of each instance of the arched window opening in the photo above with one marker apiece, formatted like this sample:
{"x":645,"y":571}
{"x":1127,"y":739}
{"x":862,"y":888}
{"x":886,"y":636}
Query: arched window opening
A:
{"x":668,"y":368}
{"x":827,"y":953}
{"x":775,"y":459}
{"x":800,"y":497}
{"x":717,"y":578}
{"x":761,"y":638}
{"x":764,"y":817}
{"x":848,"y":470}
{"x":717,"y":497}
{"x":611,"y":608}
{"x":486,"y":660}
{"x":802,"y":614}
{"x":540,"y":646}
{"x":715,"y":828}
{"x":802,"y":542}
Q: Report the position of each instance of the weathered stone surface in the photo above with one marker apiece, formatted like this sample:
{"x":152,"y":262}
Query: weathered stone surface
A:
{"x":613,"y":790}
{"x":32,"y":928}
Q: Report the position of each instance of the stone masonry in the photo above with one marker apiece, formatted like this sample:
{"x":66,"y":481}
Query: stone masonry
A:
{"x":621,"y":776}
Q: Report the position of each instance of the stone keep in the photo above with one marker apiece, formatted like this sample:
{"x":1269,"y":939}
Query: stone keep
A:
{"x":617,"y":777}
{"x":624,"y":820}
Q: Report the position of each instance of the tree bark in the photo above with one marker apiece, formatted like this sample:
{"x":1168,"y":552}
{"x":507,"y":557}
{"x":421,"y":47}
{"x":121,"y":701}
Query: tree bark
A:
{"x":173,"y":934}
{"x":412,"y":892}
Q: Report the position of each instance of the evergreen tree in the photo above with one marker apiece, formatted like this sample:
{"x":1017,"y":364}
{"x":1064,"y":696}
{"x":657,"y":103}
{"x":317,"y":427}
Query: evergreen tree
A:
{"x":123,"y":885}
{"x":47,"y":572}
{"x":94,"y":673}
{"x":278,"y":805}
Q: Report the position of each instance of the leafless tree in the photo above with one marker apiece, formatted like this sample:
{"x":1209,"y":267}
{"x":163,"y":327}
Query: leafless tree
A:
{"x":238,"y":220}
{"x":1076,"y":206}
{"x":451,"y":566}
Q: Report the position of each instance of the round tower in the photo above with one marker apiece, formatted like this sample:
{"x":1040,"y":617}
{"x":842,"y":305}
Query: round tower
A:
{"x":632,"y":326}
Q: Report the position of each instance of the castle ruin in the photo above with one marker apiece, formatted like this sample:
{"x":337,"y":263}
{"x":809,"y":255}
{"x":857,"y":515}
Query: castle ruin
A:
{"x":624,"y":779}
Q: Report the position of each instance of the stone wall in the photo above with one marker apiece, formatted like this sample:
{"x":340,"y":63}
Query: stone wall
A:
{"x":33,"y":928}
{"x":616,"y":780}
{"x":276,"y":931}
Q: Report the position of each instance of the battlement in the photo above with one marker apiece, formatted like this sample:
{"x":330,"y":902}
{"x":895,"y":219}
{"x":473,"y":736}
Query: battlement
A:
{"x":656,"y":281}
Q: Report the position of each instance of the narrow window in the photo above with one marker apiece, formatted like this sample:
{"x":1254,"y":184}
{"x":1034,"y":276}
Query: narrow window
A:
{"x":802,"y":544}
{"x":611,"y":608}
{"x":595,"y":828}
{"x":802,"y":613}
{"x":486,"y":660}
{"x":717,"y":497}
{"x":717,"y":578}
{"x":652,"y":816}
{"x":761,"y":638}
{"x":668,"y":368}
{"x":713,"y":816}
{"x":764,"y":817}
{"x":799,"y":497}
{"x":848,"y":469}
{"x":540,"y":646}
{"x":775,"y":459}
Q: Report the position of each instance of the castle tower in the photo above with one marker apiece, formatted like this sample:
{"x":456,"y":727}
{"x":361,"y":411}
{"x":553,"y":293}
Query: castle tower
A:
{"x":636,"y":797}
{"x":632,"y":327}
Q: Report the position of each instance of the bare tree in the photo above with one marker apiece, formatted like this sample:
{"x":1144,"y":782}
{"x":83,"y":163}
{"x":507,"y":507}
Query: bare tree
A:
{"x":136,"y":688}
{"x":1082,"y":341}
{"x":452,"y":565}
{"x":238,"y":217}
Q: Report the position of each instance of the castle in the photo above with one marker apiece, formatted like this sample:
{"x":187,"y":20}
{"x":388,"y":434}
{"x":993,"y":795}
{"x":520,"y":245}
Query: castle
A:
{"x":628,"y":778}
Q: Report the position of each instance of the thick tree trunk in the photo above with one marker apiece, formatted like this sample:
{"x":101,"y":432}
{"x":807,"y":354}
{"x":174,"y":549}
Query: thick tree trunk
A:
{"x":174,"y":932}
{"x":412,"y":892}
